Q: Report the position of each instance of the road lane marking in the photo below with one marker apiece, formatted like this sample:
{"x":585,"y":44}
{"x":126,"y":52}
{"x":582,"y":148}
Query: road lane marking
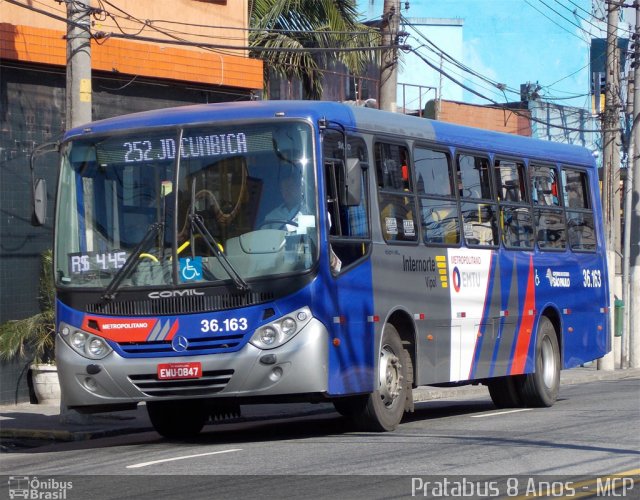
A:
{"x":185,"y":457}
{"x":501,"y":413}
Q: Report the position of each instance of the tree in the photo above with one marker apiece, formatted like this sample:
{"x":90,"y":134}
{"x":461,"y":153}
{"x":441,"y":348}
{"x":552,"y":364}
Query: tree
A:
{"x":278,"y":25}
{"x":33,"y":336}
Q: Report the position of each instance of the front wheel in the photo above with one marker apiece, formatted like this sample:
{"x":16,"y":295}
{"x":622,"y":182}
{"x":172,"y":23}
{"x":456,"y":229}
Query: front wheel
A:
{"x":385,"y":406}
{"x":177,"y":419}
{"x":541,"y":387}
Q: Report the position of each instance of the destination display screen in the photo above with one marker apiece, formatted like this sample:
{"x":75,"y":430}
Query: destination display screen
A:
{"x":152,"y":148}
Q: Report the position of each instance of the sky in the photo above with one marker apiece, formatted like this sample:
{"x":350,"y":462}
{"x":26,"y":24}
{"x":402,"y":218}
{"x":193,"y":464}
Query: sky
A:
{"x":518,"y":41}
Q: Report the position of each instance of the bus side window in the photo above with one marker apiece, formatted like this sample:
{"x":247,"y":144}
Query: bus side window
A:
{"x":395,"y":195}
{"x":544,"y":186}
{"x":349,"y":233}
{"x":580,"y":221}
{"x":479,"y":218}
{"x":473,"y":177}
{"x":439,"y":215}
{"x":516,"y":223}
{"x":551,"y":233}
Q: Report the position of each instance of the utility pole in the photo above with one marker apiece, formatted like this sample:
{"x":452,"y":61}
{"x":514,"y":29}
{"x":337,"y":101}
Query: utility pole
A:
{"x":389,"y":56}
{"x":632,"y":213}
{"x":78,"y":109}
{"x":611,"y":165}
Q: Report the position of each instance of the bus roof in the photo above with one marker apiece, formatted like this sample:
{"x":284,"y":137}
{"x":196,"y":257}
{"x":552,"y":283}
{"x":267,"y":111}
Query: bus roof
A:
{"x":352,"y":118}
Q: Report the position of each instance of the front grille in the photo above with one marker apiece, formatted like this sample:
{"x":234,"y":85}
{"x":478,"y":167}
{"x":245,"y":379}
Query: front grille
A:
{"x":210,"y":383}
{"x":179,"y":305}
{"x":203,"y":345}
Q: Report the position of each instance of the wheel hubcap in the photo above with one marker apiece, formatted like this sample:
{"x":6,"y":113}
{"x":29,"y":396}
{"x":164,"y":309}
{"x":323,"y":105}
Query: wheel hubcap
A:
{"x":390,"y":376}
{"x":548,"y":363}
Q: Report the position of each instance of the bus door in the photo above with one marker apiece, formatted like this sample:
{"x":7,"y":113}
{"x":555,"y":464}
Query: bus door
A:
{"x":349,"y":266}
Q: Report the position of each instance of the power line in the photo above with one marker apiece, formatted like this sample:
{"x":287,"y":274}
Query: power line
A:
{"x":100,"y":35}
{"x":493,"y":90}
{"x":553,"y":21}
{"x":503,"y":106}
{"x":575,"y":13}
{"x":176,"y":41}
{"x":455,"y":62}
{"x":499,"y":86}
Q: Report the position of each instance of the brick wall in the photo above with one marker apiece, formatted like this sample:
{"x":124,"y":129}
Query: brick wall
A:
{"x":497,"y":119}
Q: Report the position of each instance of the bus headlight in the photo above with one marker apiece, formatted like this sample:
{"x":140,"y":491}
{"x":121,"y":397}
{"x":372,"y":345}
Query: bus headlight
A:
{"x":84,"y":343}
{"x":280,"y":331}
{"x":98,"y":348}
{"x":268,"y":335}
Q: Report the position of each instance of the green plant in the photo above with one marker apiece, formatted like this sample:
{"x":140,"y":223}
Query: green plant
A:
{"x":34,"y":336}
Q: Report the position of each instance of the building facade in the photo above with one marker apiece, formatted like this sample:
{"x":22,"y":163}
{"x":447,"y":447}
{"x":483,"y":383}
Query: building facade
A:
{"x":133,"y":69}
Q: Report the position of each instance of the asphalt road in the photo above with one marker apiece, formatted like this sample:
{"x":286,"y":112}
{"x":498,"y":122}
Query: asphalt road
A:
{"x":593,"y":430}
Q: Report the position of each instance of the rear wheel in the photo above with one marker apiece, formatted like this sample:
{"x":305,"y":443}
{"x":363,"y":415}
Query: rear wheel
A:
{"x":178,"y":419}
{"x":504,"y":392}
{"x":541,"y":387}
{"x":383,"y":409}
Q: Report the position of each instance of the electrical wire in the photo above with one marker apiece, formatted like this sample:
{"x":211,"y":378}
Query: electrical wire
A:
{"x":496,"y":85}
{"x":503,"y":106}
{"x":181,"y":42}
{"x":555,"y":22}
{"x":438,"y":51}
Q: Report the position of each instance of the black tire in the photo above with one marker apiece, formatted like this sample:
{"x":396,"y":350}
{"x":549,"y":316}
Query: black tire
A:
{"x":385,"y":407}
{"x":504,"y":392}
{"x":177,"y":419}
{"x":350,"y":406}
{"x":541,"y":388}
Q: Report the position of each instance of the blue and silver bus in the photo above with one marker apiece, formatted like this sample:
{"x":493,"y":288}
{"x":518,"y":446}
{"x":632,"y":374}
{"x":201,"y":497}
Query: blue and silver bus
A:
{"x":213,"y":256}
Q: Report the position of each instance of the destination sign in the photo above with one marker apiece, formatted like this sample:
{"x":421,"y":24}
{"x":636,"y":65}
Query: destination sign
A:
{"x":149,"y":149}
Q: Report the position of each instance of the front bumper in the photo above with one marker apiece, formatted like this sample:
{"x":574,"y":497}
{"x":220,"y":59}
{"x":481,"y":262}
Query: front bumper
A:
{"x":300,"y":367}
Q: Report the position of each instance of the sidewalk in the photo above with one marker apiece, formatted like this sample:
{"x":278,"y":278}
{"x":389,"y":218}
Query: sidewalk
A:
{"x":42,"y":422}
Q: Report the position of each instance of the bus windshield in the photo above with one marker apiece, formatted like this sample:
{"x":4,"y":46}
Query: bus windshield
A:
{"x":187,"y":206}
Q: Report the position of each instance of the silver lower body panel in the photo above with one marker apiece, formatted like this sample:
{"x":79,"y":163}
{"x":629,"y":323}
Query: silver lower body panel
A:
{"x":300,"y":367}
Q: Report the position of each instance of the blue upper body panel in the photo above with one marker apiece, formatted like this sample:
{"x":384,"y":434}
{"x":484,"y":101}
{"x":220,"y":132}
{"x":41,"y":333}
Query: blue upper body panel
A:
{"x":350,"y":117}
{"x":206,"y":113}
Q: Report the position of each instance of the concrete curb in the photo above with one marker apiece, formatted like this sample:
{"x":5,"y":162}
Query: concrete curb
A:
{"x":111,"y":429}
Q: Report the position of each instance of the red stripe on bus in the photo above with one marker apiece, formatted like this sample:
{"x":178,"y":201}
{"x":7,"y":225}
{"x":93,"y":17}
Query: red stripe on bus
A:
{"x":526,"y":325}
{"x":174,"y":329}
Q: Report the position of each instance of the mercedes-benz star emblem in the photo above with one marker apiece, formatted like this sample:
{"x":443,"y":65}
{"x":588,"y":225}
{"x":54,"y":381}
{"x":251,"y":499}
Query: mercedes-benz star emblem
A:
{"x":179,"y":343}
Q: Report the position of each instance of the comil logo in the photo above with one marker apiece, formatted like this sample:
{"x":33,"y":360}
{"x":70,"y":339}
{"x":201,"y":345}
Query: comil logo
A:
{"x":35,"y":488}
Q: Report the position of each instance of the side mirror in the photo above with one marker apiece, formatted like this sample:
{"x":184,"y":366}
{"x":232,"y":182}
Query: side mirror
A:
{"x":39,"y":216}
{"x":39,"y":186}
{"x":351,"y":185}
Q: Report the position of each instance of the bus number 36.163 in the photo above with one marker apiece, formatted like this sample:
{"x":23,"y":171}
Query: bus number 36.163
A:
{"x":226,"y":325}
{"x":592,"y":278}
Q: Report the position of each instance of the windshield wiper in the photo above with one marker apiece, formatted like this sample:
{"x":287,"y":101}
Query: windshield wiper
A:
{"x":132,"y":261}
{"x":197,"y":224}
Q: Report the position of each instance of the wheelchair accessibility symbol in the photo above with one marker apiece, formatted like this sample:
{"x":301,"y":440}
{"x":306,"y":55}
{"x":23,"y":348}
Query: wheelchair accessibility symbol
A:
{"x":191,"y":268}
